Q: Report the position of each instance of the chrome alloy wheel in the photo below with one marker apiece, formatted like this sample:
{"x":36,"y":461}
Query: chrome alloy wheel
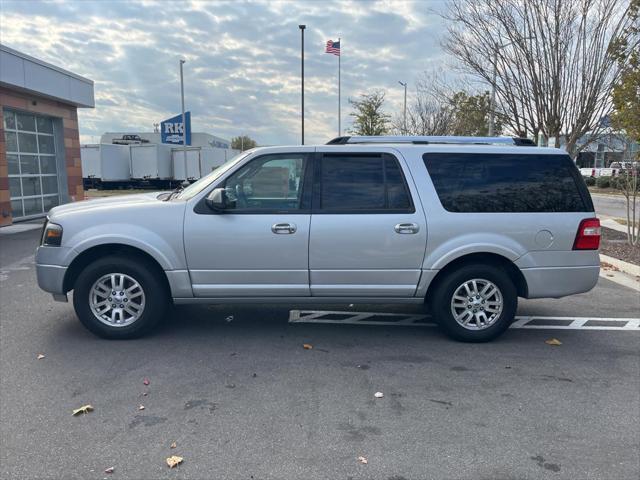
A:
{"x":116,"y":299}
{"x":477,"y":304}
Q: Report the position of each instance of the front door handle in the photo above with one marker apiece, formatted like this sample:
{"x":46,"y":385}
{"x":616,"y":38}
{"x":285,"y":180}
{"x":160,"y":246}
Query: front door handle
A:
{"x":283,"y":228}
{"x":405,"y":228}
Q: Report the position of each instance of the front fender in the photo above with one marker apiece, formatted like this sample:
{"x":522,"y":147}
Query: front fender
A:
{"x":167,"y":255}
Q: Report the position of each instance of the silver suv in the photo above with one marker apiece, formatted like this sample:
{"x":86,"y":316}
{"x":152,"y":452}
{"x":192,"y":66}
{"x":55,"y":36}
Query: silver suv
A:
{"x":463,"y":225}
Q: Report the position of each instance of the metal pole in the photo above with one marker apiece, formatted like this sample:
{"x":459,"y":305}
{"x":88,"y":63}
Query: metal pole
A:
{"x":339,"y":115}
{"x":404,"y":121}
{"x":184,"y":123}
{"x":302,"y":27}
{"x":492,"y":104}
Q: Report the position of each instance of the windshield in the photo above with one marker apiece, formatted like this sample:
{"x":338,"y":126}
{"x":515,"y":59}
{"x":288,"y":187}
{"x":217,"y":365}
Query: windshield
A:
{"x":205,"y":181}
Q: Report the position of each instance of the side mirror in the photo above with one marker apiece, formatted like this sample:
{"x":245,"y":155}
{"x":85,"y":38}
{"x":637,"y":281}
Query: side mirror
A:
{"x":217,"y":200}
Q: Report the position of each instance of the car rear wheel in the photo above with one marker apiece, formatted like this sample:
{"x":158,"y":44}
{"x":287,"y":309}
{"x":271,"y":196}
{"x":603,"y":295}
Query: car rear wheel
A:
{"x":475,"y":303}
{"x":115,"y":297}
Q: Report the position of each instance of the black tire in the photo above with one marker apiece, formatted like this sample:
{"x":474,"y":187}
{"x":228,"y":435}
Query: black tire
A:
{"x":440,"y":302}
{"x":148,"y":277}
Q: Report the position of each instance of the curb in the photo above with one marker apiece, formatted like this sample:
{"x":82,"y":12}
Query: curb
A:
{"x":626,"y":267}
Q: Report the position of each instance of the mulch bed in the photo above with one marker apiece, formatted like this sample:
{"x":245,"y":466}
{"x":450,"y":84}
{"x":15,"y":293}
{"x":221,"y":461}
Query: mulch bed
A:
{"x":614,"y":244}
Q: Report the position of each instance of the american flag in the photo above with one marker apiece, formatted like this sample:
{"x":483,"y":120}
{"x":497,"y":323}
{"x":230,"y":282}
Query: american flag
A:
{"x":333,"y":47}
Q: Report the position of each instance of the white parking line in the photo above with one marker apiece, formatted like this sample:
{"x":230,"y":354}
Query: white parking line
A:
{"x":408,"y":320}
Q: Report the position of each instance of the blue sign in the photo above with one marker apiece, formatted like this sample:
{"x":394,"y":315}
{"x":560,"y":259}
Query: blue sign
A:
{"x":172,"y":131}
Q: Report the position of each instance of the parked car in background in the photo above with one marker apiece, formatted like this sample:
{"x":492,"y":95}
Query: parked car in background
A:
{"x":129,"y":140}
{"x":463,"y":225}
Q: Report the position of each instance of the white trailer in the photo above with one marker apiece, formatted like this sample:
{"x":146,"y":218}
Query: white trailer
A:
{"x":189,"y":170}
{"x":115,"y":163}
{"x":212,"y":158}
{"x":150,"y":162}
{"x":90,"y":161}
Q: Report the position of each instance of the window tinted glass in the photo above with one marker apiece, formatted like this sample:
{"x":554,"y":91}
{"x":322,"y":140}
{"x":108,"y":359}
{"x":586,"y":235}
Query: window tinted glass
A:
{"x":350,"y":183}
{"x":272,"y":182}
{"x":505,"y":182}
{"x":397,"y":194}
{"x":360,"y":182}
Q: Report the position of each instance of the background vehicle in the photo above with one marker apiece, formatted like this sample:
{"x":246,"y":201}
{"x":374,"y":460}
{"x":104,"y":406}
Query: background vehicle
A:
{"x":129,"y":140}
{"x":465,"y":225}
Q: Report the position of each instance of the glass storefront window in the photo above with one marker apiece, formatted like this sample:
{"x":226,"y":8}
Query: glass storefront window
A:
{"x":32,"y":166}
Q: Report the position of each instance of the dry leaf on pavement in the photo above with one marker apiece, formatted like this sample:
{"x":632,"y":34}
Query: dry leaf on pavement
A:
{"x":83,"y":409}
{"x":173,"y":445}
{"x":40,"y":356}
{"x":362,"y":460}
{"x":307,"y":346}
{"x":553,"y":341}
{"x":174,"y":460}
{"x":109,"y":470}
{"x":378,"y":394}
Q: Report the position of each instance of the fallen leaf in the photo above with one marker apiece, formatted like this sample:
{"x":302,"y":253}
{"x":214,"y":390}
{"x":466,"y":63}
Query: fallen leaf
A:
{"x":83,"y":409}
{"x":146,"y":381}
{"x":553,"y":341}
{"x":40,"y":356}
{"x":610,"y":275}
{"x":141,"y":407}
{"x":174,"y":445}
{"x":363,"y":460}
{"x":109,"y":470}
{"x":229,"y":319}
{"x":307,"y":346}
{"x":174,"y":460}
{"x":378,"y":394}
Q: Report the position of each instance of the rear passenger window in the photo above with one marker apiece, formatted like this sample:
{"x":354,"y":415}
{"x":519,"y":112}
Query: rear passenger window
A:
{"x":362,"y":183}
{"x":507,"y":183}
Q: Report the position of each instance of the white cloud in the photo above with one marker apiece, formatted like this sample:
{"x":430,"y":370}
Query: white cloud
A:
{"x":242,"y":74}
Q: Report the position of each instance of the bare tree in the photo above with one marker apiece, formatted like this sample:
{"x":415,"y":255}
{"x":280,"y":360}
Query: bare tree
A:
{"x":553,"y":60}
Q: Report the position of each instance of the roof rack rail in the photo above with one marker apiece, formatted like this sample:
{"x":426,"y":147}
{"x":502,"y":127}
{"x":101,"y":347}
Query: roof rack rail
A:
{"x":429,"y":140}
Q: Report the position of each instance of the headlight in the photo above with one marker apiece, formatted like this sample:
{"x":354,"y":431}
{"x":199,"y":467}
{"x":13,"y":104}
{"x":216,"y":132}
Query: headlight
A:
{"x":52,"y":235}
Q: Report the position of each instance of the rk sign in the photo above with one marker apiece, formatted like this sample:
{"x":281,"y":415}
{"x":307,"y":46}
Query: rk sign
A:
{"x":172,"y":130}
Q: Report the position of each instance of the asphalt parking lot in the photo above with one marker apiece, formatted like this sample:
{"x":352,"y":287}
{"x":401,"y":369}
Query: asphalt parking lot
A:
{"x":236,"y":391}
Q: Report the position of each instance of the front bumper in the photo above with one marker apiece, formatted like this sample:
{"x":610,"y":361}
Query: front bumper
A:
{"x":556,"y":282}
{"x":51,"y":279}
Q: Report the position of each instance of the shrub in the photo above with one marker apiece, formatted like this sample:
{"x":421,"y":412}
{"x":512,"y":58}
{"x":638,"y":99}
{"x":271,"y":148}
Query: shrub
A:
{"x":590,"y":181}
{"x":603,"y":182}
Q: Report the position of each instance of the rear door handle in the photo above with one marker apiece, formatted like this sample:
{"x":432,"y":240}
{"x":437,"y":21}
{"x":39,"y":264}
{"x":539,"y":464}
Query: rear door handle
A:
{"x":283,"y":228}
{"x":406,"y":228}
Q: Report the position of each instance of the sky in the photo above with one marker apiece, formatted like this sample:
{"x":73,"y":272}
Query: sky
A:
{"x":242,"y":70}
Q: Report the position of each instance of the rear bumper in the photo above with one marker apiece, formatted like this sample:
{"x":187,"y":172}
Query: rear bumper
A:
{"x":556,"y":282}
{"x":51,"y":278}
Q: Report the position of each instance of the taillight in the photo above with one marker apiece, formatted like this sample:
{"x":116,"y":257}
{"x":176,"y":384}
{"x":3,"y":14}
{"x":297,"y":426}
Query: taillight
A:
{"x":588,"y":236}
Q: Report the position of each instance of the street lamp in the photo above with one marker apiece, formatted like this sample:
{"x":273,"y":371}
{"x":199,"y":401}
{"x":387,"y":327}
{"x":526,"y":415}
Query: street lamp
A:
{"x":405,"y":106}
{"x":302,"y":27}
{"x":184,"y":123}
{"x":492,"y":104}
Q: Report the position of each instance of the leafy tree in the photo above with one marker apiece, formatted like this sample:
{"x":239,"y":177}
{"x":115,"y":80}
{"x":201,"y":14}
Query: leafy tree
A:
{"x":625,"y":96}
{"x":471,"y":115}
{"x":243,"y":143}
{"x":626,"y":91}
{"x":369,"y":119}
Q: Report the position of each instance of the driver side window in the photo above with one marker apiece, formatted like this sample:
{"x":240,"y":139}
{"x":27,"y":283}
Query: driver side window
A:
{"x":270,"y":182}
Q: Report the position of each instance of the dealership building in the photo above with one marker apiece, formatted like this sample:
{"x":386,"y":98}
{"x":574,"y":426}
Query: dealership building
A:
{"x":39,"y":141}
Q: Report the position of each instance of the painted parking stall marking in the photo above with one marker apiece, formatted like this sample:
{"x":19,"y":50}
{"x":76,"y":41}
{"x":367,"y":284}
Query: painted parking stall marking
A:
{"x":413,"y":320}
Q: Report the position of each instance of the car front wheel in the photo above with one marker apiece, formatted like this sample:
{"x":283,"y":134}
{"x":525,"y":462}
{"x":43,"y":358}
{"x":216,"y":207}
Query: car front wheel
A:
{"x":115,"y":297}
{"x":475,"y":303}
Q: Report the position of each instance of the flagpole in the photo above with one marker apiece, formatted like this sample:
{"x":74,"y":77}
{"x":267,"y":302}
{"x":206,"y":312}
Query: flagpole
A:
{"x":339,"y":115}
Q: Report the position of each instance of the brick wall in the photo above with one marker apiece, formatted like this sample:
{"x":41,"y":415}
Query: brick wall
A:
{"x":69,"y":115}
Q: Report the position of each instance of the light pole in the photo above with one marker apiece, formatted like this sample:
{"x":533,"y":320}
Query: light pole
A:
{"x":302,"y":27}
{"x":184,"y":123}
{"x":492,"y":103}
{"x":404,"y":123}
